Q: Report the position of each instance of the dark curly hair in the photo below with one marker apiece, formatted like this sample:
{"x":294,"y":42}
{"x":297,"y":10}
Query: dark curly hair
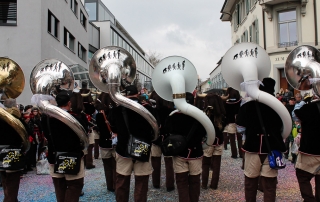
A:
{"x":215,"y":109}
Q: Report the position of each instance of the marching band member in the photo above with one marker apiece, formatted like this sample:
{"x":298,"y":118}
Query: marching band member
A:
{"x":188,"y":164}
{"x":11,"y":178}
{"x":138,"y":127}
{"x":60,"y":137}
{"x":164,"y":108}
{"x":308,"y":160}
{"x":88,"y":110}
{"x":212,"y":156}
{"x":256,"y":162}
{"x":232,"y":106}
{"x":103,"y":105}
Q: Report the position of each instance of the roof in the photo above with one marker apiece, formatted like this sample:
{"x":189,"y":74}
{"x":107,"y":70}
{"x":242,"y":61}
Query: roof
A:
{"x":218,"y":63}
{"x":226,"y":10}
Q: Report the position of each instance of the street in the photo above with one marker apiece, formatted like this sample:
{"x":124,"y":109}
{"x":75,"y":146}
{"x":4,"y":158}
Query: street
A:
{"x":231,"y":186}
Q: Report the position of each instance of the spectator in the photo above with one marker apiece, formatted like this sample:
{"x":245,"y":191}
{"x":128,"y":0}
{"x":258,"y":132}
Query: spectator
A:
{"x":281,"y":92}
{"x":287,"y":95}
{"x":298,"y":105}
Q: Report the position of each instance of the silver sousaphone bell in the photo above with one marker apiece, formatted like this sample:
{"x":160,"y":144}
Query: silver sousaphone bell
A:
{"x":111,"y":67}
{"x":302,"y":68}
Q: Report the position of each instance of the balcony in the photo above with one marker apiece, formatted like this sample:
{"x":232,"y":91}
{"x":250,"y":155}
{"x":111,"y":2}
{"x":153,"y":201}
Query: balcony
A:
{"x":287,"y":44}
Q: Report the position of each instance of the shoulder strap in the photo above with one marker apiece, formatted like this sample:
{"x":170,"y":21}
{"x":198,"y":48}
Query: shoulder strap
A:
{"x":191,"y":133}
{"x":262,"y":126}
{"x":106,"y":120}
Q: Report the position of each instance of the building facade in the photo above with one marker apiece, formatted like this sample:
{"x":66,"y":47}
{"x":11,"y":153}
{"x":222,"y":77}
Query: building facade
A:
{"x":278,"y":26}
{"x":34,"y":30}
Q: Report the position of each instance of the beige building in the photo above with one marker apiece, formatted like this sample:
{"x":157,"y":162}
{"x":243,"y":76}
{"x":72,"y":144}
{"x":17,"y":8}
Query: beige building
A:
{"x":278,"y":26}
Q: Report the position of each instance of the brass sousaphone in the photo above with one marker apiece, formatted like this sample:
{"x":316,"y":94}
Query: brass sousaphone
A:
{"x":45,"y":78}
{"x":11,"y":85}
{"x":111,"y":67}
{"x":302,"y":68}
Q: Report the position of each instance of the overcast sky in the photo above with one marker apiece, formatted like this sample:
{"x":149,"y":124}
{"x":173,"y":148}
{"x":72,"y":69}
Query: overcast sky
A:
{"x":188,"y":28}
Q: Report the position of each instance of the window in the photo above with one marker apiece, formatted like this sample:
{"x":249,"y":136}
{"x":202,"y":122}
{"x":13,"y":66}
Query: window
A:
{"x":82,"y":52}
{"x":8,"y":12}
{"x":74,"y":6}
{"x":83,"y":19}
{"x":254,"y":32}
{"x":53,"y":24}
{"x":287,"y":25}
{"x":244,"y":37}
{"x":91,"y":8}
{"x":91,"y":52}
{"x":68,"y":40}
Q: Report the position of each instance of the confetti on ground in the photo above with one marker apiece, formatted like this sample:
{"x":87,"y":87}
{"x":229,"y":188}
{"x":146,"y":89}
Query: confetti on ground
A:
{"x":39,"y":188}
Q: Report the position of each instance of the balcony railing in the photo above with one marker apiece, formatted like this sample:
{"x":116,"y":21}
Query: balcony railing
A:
{"x":287,"y":44}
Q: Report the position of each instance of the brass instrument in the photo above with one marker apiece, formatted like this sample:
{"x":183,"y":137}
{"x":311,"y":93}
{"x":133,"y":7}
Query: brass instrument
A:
{"x":111,"y":67}
{"x":302,"y":68}
{"x":45,"y":78}
{"x":12,"y":84}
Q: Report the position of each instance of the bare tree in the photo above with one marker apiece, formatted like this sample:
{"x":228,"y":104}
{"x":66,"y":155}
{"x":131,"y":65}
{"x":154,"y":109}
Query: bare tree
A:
{"x":154,"y":57}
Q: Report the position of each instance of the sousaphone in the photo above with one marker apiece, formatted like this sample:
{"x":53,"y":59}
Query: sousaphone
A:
{"x":111,"y":67}
{"x":302,"y":68}
{"x":46,"y":77}
{"x":12,"y":84}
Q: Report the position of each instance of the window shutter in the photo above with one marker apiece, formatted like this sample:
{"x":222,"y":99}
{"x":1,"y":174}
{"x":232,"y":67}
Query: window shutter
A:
{"x":246,"y":35}
{"x":8,"y":12}
{"x":238,"y":14}
{"x":247,"y":6}
{"x":250,"y":33}
{"x":257,"y":31}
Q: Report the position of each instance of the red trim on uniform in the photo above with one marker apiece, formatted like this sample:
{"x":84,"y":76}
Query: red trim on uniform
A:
{"x":309,"y":154}
{"x":105,"y":148}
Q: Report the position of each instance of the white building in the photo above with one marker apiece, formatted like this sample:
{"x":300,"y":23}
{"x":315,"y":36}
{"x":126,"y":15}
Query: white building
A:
{"x":34,"y":30}
{"x":278,"y":26}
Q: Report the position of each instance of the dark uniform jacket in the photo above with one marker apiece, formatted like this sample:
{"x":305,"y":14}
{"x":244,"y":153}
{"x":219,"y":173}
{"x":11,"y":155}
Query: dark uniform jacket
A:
{"x":232,"y":107}
{"x":181,"y":124}
{"x":139,"y":127}
{"x":63,"y":138}
{"x":105,"y":135}
{"x":248,"y":118}
{"x":163,"y":114}
{"x":309,"y":116}
{"x":9,"y":136}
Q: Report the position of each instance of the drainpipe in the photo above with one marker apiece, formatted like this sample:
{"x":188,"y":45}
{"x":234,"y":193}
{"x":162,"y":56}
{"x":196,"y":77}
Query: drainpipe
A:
{"x":315,"y":21}
{"x":264,"y":29}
